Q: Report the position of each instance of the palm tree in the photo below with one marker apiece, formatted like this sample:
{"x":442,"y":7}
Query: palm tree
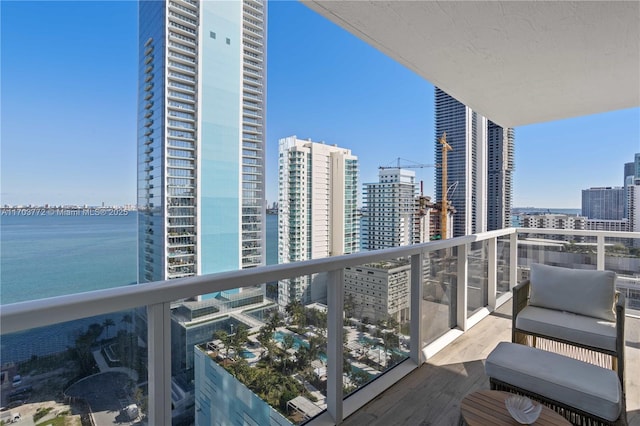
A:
{"x":108,"y":322}
{"x":322,"y":322}
{"x":274,"y":322}
{"x":392,"y":323}
{"x":287,"y":343}
{"x":315,"y":343}
{"x":264,"y":337}
{"x":222,"y":335}
{"x":94,"y":330}
{"x":239,"y":339}
{"x":296,"y":312}
{"x":349,"y":305}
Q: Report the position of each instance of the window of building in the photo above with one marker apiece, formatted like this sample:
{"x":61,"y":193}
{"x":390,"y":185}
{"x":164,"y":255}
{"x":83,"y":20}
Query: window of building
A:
{"x":212,"y":34}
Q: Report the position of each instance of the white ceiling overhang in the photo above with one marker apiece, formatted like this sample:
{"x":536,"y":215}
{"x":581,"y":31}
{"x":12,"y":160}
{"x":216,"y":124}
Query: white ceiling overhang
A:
{"x":516,"y":62}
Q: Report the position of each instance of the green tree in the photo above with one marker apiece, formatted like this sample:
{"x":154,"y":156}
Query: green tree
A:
{"x":287,"y":343}
{"x":268,"y":343}
{"x":274,"y":322}
{"x":392,"y":323}
{"x":239,"y":339}
{"x":82,"y":349}
{"x":108,"y":323}
{"x":295,"y":310}
{"x":226,"y":340}
{"x":349,"y":305}
{"x":94,"y":331}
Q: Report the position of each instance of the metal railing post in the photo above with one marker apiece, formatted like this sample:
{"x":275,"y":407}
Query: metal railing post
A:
{"x":335,"y":303}
{"x":601,"y":252}
{"x":159,"y":352}
{"x":417,"y":327}
{"x":492,"y":284}
{"x":513,"y":259}
{"x":461,"y":284}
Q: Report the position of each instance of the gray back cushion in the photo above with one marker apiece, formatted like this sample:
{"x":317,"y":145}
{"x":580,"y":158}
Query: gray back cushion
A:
{"x":584,"y":292}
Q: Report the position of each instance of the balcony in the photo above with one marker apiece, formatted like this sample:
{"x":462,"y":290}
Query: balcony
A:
{"x":458,"y":299}
{"x":432,"y":393}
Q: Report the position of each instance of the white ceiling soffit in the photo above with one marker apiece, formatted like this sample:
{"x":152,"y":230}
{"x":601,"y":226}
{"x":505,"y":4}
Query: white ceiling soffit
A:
{"x":516,"y":62}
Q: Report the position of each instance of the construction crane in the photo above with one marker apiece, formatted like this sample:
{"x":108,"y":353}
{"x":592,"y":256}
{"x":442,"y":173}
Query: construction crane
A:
{"x":409,"y":166}
{"x":444,"y":204}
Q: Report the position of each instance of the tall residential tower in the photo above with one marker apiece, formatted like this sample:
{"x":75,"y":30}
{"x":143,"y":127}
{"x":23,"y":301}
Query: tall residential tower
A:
{"x":480,"y":166}
{"x":201,"y":137}
{"x":317,"y":200}
{"x":500,"y":167}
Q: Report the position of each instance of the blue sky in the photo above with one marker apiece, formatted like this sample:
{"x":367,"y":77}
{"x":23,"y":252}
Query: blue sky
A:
{"x":68,"y":109}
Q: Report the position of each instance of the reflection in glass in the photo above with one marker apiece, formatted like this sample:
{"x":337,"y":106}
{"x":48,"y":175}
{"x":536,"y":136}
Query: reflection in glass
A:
{"x":377,"y":319}
{"x":439,"y":305}
{"x":477,"y":276}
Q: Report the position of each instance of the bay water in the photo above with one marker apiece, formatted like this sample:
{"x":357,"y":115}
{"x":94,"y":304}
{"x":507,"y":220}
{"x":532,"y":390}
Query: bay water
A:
{"x":51,"y":255}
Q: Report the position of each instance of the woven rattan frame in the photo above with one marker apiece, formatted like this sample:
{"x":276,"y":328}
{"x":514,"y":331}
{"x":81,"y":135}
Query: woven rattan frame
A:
{"x":572,"y":414}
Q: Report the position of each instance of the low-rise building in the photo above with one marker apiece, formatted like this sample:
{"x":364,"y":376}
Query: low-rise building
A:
{"x":379,"y":291}
{"x":554,"y":221}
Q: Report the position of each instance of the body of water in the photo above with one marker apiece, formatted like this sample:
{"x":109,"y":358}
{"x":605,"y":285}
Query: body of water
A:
{"x":46,"y":256}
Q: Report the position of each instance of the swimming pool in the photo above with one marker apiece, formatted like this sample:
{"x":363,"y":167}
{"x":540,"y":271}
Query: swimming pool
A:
{"x":247,"y":354}
{"x":297,"y":342}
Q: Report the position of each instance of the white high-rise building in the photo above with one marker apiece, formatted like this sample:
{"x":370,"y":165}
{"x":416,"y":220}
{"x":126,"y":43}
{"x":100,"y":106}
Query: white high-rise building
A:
{"x":201,"y":137}
{"x":480,"y":167}
{"x":318,"y":214}
{"x":389,"y":210}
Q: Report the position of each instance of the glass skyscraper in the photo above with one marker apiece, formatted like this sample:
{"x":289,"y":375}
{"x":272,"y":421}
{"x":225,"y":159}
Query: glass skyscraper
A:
{"x":480,"y":166}
{"x":201,"y":137}
{"x":605,"y":203}
{"x":500,"y":162}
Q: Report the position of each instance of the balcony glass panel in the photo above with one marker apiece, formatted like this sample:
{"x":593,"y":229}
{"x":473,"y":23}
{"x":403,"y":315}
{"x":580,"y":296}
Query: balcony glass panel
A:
{"x":477,"y":276}
{"x":622,"y":255}
{"x":94,"y":364}
{"x":557,"y":249}
{"x":377,"y":298}
{"x":439,"y":303}
{"x":239,"y":342}
{"x":503,"y":265}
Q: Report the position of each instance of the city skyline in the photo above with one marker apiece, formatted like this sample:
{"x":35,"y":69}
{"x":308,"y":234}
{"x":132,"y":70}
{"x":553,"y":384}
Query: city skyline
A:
{"x":327,"y":85}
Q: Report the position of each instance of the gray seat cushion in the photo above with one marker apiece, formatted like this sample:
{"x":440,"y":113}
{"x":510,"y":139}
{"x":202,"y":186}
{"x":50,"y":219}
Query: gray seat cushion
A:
{"x":589,"y":331}
{"x":587,"y":387}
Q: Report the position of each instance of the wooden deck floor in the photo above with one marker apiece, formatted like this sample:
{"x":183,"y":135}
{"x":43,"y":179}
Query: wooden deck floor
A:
{"x":431,"y":394}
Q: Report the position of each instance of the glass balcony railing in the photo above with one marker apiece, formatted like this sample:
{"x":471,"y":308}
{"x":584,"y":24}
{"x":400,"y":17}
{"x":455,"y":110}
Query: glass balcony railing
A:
{"x":377,"y":316}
